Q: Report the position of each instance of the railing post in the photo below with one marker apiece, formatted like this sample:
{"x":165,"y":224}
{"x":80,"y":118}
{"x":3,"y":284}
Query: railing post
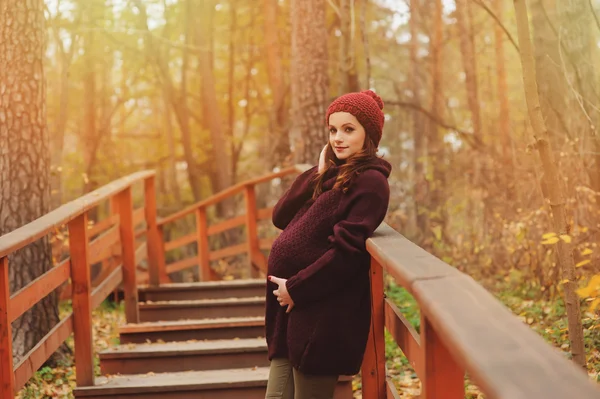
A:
{"x":124,"y":207}
{"x":81,"y":299}
{"x":373,"y":366}
{"x":202,"y":241}
{"x":162,"y":266}
{"x":153,"y":239}
{"x":7,"y":375}
{"x":444,"y":378}
{"x":254,"y":254}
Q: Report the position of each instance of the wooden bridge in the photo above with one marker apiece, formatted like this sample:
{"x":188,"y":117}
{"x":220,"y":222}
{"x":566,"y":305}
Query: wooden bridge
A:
{"x":205,"y":337}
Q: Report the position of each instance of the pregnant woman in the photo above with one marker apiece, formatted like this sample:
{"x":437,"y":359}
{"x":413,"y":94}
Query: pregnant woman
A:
{"x":318,"y":306}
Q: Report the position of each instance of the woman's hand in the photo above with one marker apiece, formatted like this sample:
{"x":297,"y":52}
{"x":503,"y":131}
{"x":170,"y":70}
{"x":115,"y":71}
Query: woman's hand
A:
{"x":282,"y":294}
{"x":322,"y":159}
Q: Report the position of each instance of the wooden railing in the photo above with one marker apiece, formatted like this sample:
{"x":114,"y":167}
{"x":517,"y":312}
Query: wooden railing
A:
{"x":252,"y":246}
{"x":463,"y":328}
{"x":116,"y":237}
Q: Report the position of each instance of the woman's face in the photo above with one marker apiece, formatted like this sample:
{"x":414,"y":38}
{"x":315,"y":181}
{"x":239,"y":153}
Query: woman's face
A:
{"x":346,"y":134}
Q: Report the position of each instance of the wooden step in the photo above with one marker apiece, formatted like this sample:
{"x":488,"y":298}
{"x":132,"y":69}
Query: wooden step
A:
{"x":202,"y":309}
{"x":246,"y":383}
{"x":185,"y":330}
{"x":184,"y":356}
{"x":204,"y":290}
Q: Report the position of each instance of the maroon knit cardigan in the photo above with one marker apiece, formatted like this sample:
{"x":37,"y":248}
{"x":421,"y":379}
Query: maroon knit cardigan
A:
{"x":322,"y":253}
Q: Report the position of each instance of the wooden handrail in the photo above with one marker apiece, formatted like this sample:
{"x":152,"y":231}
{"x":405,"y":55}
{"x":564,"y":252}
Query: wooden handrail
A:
{"x":463,"y":327}
{"x":236,"y":189}
{"x":31,"y":232}
{"x":250,"y":219}
{"x":117,"y":229}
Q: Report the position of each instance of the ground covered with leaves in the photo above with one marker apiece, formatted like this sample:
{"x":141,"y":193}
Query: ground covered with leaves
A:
{"x":58,"y":382}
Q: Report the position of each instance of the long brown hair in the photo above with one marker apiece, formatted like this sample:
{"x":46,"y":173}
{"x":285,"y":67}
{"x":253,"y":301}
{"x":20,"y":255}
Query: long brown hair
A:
{"x":353,"y":166}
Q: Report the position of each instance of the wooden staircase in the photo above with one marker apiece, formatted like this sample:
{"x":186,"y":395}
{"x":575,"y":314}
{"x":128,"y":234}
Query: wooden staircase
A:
{"x":199,"y":340}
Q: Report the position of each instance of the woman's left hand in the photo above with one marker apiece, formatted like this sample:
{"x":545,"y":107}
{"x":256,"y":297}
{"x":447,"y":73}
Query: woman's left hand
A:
{"x":282,"y":294}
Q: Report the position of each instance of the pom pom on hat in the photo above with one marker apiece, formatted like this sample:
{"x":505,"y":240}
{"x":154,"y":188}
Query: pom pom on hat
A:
{"x":367,"y":108}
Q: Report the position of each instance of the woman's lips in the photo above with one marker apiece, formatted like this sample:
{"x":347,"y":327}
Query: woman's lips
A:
{"x":340,"y":148}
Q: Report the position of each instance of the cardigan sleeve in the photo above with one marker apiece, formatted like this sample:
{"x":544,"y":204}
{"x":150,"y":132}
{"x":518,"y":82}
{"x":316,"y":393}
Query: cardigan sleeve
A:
{"x":363,"y":210}
{"x":294,"y":198}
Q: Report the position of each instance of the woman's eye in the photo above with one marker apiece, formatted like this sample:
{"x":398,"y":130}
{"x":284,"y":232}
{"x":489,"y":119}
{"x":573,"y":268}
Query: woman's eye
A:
{"x":349,"y":129}
{"x":332,"y":131}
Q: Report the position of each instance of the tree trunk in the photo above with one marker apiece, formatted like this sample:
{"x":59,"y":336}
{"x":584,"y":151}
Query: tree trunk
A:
{"x":552,"y":183}
{"x":219,"y":148}
{"x":310,"y":82}
{"x":436,"y":153}
{"x":504,"y":112}
{"x":277,"y":141}
{"x":25,"y":158}
{"x":347,"y":76}
{"x":178,"y":103}
{"x":550,"y":80}
{"x":420,"y":139}
{"x":469,"y":65}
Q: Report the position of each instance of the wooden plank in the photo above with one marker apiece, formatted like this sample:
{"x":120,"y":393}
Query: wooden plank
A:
{"x":107,"y":286}
{"x":101,"y":247}
{"x":139,"y":216}
{"x":81,"y":298}
{"x":203,"y":249}
{"x":124,"y":207}
{"x":37,"y":290}
{"x":162,"y":266}
{"x":392,"y":392}
{"x":405,"y":261}
{"x":405,"y":336}
{"x":141,"y":253}
{"x":238,"y":188}
{"x":7,"y":377}
{"x":181,"y":241}
{"x":41,"y":352}
{"x":228,"y":251}
{"x":153,"y":236}
{"x":265,"y":213}
{"x":443,"y":378}
{"x":193,"y":324}
{"x":182,"y":264}
{"x":373,"y":366}
{"x":226,"y":225}
{"x":103,"y":225}
{"x":33,"y":231}
{"x":502,"y":354}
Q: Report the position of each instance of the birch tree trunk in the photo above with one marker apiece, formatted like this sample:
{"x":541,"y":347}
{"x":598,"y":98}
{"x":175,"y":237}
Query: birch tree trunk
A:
{"x":25,"y":158}
{"x":551,"y":184}
{"x":310,"y":82}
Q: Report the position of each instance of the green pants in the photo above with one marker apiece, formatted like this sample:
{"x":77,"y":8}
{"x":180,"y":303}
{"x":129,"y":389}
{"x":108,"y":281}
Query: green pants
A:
{"x":285,"y":382}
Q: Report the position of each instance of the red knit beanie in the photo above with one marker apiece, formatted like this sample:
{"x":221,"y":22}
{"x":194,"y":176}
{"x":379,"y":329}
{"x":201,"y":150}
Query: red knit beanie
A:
{"x":367,"y":108}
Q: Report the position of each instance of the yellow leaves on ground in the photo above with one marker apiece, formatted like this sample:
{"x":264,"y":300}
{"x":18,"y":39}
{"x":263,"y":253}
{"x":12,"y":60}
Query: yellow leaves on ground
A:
{"x":551,"y":238}
{"x":583,"y":263}
{"x":591,"y":291}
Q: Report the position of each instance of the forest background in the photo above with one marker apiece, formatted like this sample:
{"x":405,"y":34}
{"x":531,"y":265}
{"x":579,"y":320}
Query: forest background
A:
{"x":212,"y":92}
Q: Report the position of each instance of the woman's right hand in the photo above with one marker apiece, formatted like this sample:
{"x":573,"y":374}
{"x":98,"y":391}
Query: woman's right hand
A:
{"x":322,"y":159}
